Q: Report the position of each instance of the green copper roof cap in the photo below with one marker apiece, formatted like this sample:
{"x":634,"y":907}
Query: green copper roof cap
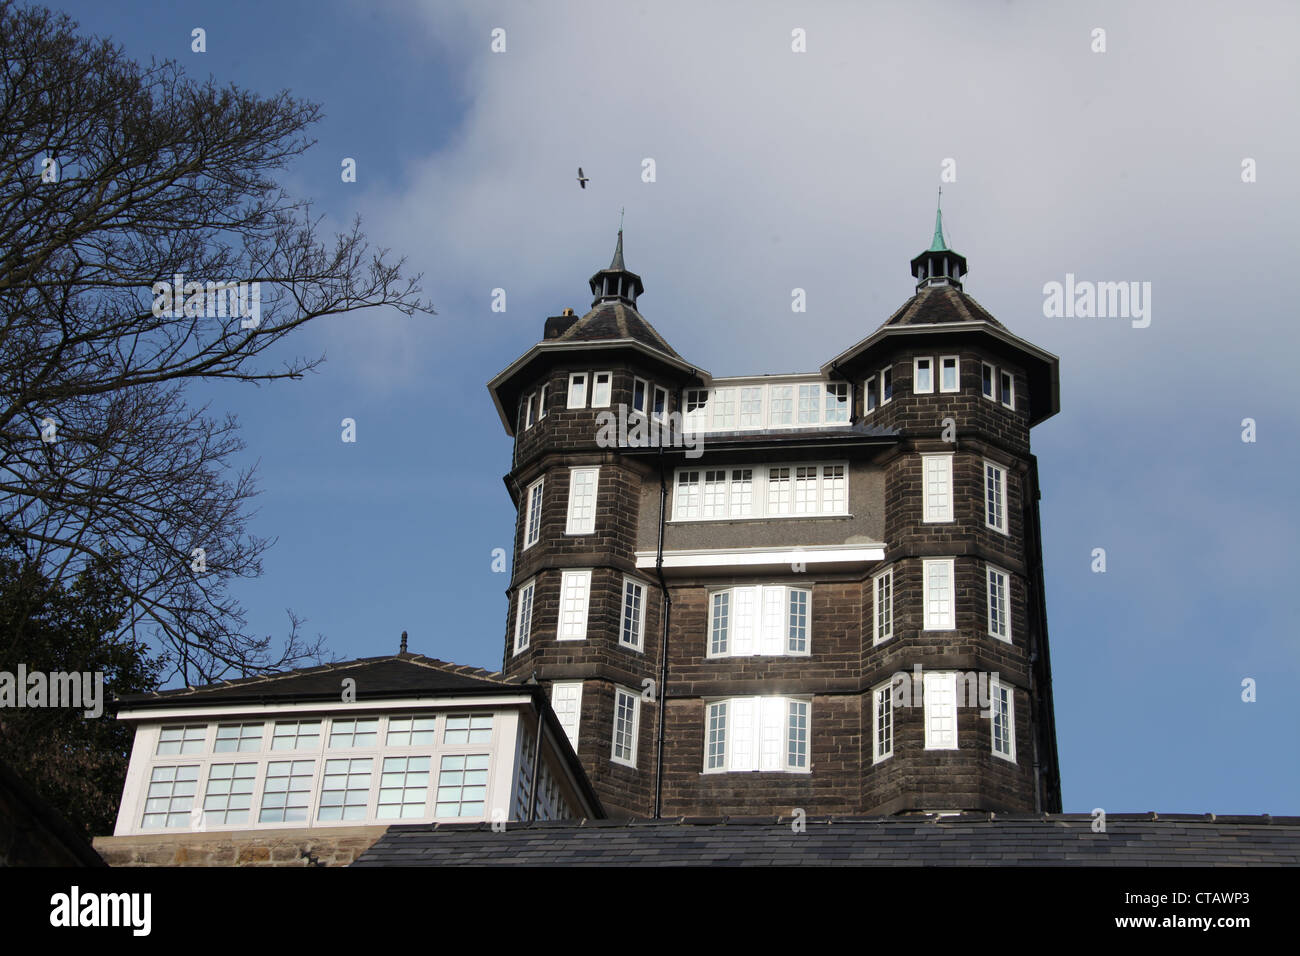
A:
{"x":938,"y":245}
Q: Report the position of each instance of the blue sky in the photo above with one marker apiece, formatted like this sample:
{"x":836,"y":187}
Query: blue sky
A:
{"x":817,"y":170}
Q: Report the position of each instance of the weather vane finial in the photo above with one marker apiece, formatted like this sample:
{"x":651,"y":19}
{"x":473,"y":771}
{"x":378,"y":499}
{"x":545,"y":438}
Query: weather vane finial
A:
{"x":620,"y":219}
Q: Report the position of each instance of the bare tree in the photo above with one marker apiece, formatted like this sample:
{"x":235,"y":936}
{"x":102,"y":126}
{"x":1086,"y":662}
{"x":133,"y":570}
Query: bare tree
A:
{"x":143,"y":243}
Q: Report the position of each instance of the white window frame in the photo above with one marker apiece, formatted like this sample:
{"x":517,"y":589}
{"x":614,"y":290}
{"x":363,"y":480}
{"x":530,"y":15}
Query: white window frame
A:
{"x":1009,"y":390}
{"x":689,"y":497}
{"x":534,"y":498}
{"x":529,"y":419}
{"x":998,"y":585}
{"x":831,"y":400}
{"x":661,"y":415}
{"x":645,"y":397}
{"x":759,"y":619}
{"x":566,"y":701}
{"x":526,"y":599}
{"x":581,"y":517}
{"x":597,"y":388}
{"x":870,"y":397}
{"x":766,"y":748}
{"x":992,"y":393}
{"x":541,"y":402}
{"x":936,"y":508}
{"x":882,"y":618}
{"x":573,"y":583}
{"x":998,"y":502}
{"x":934,"y":619}
{"x":578,"y":395}
{"x":916,"y":375}
{"x":888,"y":371}
{"x":882,"y":703}
{"x":996,"y":688}
{"x":956,"y":369}
{"x":619,"y":694}
{"x":639,"y":621}
{"x":939,"y":694}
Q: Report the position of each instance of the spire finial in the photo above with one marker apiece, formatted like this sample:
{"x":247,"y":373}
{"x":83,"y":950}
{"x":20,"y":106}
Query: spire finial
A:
{"x":403,"y":650}
{"x":620,"y":219}
{"x":938,"y":244}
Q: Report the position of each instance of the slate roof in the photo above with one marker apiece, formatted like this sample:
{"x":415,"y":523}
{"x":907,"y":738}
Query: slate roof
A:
{"x":968,"y":839}
{"x":616,"y":320}
{"x":395,"y":675}
{"x":939,"y":304}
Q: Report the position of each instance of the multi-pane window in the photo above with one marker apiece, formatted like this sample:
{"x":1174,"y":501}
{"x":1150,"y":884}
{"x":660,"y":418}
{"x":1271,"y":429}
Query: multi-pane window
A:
{"x":882,"y":722}
{"x":575,"y":589}
{"x":715,"y":494}
{"x":780,"y":405}
{"x":937,"y":488}
{"x":686,"y":502}
{"x":938,"y":594}
{"x":578,"y":390}
{"x":660,"y":407}
{"x":182,"y":740}
{"x":724,"y":408}
{"x":999,"y":607}
{"x":462,"y":785}
{"x":995,"y":497}
{"x":630,"y":635}
{"x":566,"y":701}
{"x":582,"y":500}
{"x":627,"y":712}
{"x":837,"y":403}
{"x":1007,"y":389}
{"x":229,"y":795}
{"x":922,"y":375}
{"x":524,"y":616}
{"x":870,"y":397}
{"x":244,"y":738}
{"x":345,"y":789}
{"x":715,"y":745}
{"x":949,"y":373}
{"x":719,"y":622}
{"x":354,"y":732}
{"x":286,"y":793}
{"x":171,"y":796}
{"x":533,"y":514}
{"x":763,"y":491}
{"x":940,"y":701}
{"x":696,"y":418}
{"x":601,"y":383}
{"x":296,"y":735}
{"x":410,"y":731}
{"x":403,"y":788}
{"x":810,"y":404}
{"x":640,"y":394}
{"x":751,"y":407}
{"x":884,"y":606}
{"x":467,"y":729}
{"x":1003,"y":717}
{"x":761,"y":619}
{"x":987,"y":377}
{"x":757,"y":733}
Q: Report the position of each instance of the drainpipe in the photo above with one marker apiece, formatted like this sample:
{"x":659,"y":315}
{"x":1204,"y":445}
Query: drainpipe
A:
{"x":663,"y":640}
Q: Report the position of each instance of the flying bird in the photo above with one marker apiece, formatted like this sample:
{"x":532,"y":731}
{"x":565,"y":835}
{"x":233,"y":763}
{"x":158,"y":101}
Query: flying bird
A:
{"x":582,"y":179}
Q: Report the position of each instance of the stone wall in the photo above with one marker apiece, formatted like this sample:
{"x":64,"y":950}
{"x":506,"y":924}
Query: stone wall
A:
{"x":312,"y":846}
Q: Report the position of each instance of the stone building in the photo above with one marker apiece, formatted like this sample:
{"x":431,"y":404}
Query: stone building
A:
{"x":817,"y":591}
